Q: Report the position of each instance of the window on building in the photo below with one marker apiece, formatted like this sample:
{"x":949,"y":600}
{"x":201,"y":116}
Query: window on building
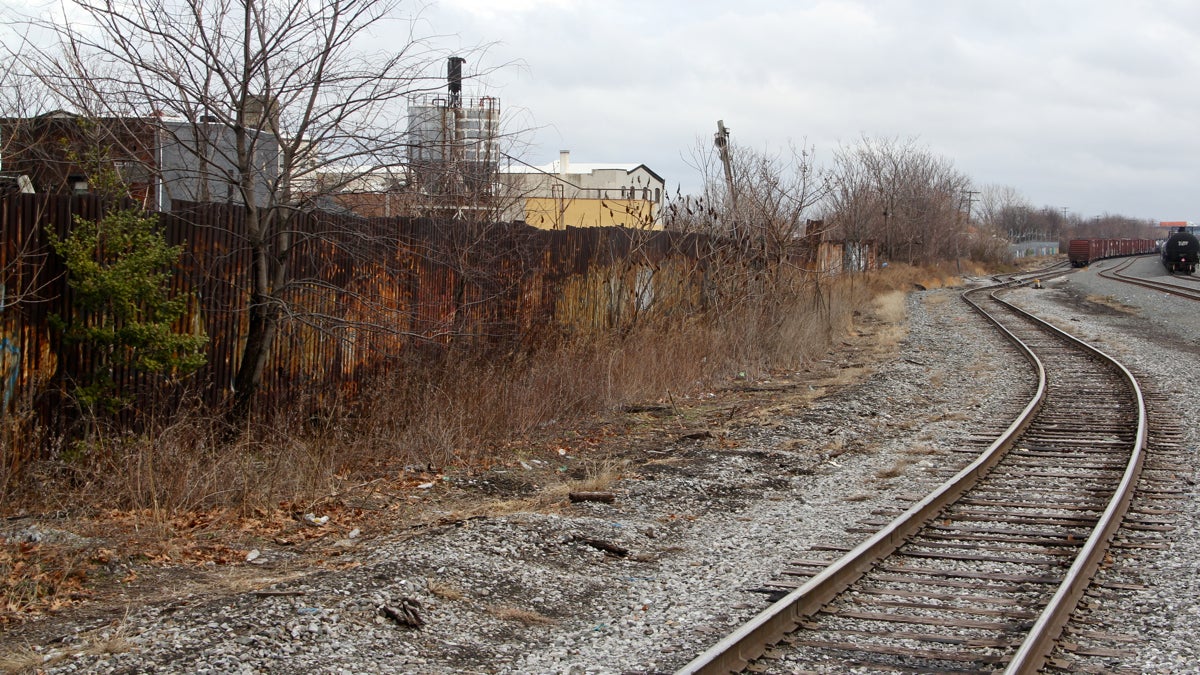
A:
{"x":133,"y":172}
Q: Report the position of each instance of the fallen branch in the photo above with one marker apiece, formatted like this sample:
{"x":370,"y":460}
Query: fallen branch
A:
{"x":611,"y":549}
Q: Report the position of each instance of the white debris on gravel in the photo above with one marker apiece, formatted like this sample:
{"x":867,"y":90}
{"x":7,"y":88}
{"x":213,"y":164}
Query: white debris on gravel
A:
{"x":701,"y":527}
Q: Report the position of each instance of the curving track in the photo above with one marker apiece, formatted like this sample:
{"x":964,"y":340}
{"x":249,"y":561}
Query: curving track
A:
{"x":981,"y":575}
{"x":1180,"y":285}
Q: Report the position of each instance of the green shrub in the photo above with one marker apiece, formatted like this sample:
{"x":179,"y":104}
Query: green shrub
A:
{"x":119,"y":269}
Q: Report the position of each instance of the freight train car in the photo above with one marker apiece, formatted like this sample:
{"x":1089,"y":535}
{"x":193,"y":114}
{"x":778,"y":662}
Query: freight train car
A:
{"x":1083,"y":252}
{"x":1180,"y":251}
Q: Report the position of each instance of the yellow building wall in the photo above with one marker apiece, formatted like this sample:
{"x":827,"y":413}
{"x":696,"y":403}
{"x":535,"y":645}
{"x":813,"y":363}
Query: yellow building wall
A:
{"x":556,"y":214}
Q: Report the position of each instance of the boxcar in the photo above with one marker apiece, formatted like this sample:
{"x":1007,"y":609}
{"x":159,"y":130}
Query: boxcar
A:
{"x":1082,"y":252}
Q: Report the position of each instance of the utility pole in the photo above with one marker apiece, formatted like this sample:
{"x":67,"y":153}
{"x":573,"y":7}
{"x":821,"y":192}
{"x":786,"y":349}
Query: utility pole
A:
{"x":970,"y":199}
{"x":721,"y":140}
{"x":970,"y":194}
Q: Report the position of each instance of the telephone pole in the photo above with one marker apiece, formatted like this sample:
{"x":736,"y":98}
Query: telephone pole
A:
{"x":721,"y":140}
{"x":970,"y":195}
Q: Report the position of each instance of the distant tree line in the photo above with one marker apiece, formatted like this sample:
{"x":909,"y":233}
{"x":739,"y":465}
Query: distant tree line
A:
{"x":912,"y":204}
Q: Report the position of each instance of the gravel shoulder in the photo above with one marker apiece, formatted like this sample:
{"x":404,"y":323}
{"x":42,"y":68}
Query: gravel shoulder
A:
{"x":716,"y":494}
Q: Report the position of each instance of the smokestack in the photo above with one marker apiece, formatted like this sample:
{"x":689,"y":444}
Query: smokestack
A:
{"x":454,"y":77}
{"x":564,"y":162}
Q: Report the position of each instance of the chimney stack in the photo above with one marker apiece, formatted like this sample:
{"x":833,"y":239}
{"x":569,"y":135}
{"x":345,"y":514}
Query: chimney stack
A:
{"x":564,"y":162}
{"x":454,"y":78}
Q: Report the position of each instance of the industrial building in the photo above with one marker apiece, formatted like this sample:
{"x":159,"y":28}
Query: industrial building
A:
{"x":562,"y":194}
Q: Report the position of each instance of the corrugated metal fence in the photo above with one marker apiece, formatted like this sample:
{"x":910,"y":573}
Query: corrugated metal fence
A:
{"x":359,"y":293}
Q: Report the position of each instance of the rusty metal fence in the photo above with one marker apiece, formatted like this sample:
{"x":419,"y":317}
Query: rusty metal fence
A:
{"x":359,"y":294}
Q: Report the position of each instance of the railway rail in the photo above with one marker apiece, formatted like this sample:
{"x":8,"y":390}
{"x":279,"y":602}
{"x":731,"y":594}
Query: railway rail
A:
{"x":1175,"y":285}
{"x":982,"y":574}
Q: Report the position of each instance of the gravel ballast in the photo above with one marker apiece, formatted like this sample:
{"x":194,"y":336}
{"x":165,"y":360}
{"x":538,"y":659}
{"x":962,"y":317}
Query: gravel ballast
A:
{"x":645,"y":583}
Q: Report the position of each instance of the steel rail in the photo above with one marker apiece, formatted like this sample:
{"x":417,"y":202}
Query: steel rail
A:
{"x":734,"y":652}
{"x":1034,"y":651}
{"x":1118,"y":274}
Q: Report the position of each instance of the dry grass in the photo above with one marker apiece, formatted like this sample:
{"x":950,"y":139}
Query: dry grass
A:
{"x":525,"y":616}
{"x":937,"y":379}
{"x":25,"y":661}
{"x":894,"y":471}
{"x":835,"y":447}
{"x":1113,"y":303}
{"x":443,"y":590}
{"x":445,"y":410}
{"x":28,"y":660}
{"x":794,"y":444}
{"x":920,"y":451}
{"x":451,"y":410}
{"x":891,"y":307}
{"x":601,"y":474}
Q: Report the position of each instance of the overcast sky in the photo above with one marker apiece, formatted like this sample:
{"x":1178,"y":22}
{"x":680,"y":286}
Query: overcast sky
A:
{"x":1093,"y":105}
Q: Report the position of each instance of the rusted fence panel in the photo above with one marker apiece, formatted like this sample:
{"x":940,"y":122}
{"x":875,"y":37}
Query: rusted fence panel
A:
{"x":357,"y":294}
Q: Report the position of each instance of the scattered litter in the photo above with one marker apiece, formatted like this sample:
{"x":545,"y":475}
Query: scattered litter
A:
{"x":312,"y":519}
{"x":252,"y":555}
{"x":424,"y":486}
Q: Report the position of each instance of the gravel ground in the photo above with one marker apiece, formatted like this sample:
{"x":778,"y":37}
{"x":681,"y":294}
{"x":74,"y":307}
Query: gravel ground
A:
{"x":700,"y":521}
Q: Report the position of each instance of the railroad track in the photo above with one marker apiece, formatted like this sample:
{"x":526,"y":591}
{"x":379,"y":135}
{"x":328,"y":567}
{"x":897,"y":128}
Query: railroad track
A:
{"x":1057,"y":269}
{"x":982,"y":574}
{"x":1182,"y":286}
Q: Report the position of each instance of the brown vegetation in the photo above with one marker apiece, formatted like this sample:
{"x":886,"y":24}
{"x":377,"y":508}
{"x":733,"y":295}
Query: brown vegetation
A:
{"x":177,"y":495}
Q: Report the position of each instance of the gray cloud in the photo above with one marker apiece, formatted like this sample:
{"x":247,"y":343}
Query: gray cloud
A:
{"x":1090,"y":105}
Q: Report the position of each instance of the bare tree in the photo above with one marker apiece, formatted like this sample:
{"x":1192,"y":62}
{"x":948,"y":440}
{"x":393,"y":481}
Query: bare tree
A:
{"x":996,"y":201}
{"x":775,"y":196}
{"x":911,"y":201}
{"x":1111,"y":226}
{"x":265,"y":94}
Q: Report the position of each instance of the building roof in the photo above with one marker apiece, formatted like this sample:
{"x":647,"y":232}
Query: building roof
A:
{"x":574,"y":168}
